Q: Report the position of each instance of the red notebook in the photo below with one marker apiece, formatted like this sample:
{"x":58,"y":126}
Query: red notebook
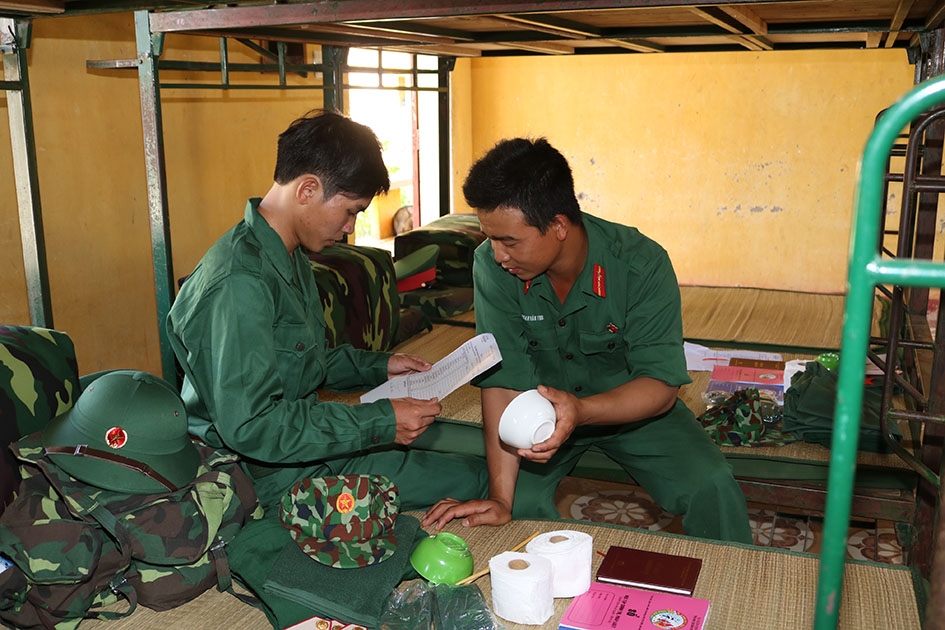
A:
{"x":612,"y":607}
{"x":650,"y":570}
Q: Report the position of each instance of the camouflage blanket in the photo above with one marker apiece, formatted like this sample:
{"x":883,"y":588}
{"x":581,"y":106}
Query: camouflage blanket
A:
{"x":39,"y":379}
{"x":439,"y":302}
{"x":358,"y":292}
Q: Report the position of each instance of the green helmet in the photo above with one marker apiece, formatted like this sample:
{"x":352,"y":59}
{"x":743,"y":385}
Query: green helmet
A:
{"x":345,"y":521}
{"x":127,"y":432}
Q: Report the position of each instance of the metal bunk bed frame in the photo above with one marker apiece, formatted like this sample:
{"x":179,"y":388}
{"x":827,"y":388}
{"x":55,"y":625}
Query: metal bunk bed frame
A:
{"x":870,"y":268}
{"x":14,"y":42}
{"x":911,"y":357}
{"x":867,"y":271}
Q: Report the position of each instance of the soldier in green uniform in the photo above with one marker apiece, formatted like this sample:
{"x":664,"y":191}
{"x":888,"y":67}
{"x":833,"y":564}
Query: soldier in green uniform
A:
{"x":588,"y":312}
{"x":249,"y":331}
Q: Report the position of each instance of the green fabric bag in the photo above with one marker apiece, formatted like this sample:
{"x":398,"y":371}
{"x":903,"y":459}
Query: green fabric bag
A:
{"x":810,"y":402}
{"x":291,"y":586}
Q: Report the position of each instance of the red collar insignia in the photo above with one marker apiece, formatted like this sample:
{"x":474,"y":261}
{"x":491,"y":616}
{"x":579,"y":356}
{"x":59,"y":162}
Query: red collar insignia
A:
{"x":600,"y":285}
{"x":528,"y":285}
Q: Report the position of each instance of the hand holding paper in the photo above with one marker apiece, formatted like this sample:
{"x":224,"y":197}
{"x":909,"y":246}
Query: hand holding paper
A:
{"x":448,"y":374}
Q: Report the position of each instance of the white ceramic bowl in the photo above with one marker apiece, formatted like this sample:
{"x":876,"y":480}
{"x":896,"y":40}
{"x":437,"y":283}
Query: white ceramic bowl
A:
{"x":527,"y":420}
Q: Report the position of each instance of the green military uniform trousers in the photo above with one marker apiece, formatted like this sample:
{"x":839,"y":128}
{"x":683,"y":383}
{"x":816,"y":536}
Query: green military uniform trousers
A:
{"x":671,"y":457}
{"x":422,"y":477}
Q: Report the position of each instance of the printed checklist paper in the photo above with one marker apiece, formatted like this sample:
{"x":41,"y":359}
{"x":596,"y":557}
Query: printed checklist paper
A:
{"x":446,"y":376}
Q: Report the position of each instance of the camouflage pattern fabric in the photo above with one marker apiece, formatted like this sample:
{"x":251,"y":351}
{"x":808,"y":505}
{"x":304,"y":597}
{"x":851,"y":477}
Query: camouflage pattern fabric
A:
{"x":738,"y":421}
{"x":346,"y":521}
{"x":358,"y":292}
{"x":39,"y":379}
{"x":75,"y":547}
{"x":39,"y":376}
{"x":439,"y":302}
{"x":412,"y":322}
{"x":457,"y":236}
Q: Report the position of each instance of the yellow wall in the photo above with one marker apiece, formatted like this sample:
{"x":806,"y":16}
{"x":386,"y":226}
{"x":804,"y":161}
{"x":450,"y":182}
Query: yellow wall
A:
{"x":742,"y":165}
{"x":461,"y":130}
{"x":220,"y":149}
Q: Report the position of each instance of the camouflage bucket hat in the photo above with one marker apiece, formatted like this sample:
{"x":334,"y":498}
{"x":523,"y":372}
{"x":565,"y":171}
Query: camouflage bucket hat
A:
{"x":345,"y":521}
{"x":738,"y":421}
{"x":127,"y":432}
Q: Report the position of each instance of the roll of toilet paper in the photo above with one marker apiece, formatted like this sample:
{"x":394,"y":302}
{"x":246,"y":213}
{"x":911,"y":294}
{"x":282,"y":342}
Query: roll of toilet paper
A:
{"x":571,"y":554}
{"x":521,"y":587}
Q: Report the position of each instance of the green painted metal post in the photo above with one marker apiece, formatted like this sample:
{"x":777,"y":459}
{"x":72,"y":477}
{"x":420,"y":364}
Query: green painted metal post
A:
{"x":224,"y":62}
{"x":444,"y":66}
{"x":333,"y":62}
{"x":16,"y":82}
{"x":149,"y":49}
{"x":867,"y":269}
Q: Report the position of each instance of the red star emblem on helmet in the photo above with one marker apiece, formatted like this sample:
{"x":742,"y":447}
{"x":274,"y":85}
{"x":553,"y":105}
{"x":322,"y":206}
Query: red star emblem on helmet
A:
{"x":116,"y":437}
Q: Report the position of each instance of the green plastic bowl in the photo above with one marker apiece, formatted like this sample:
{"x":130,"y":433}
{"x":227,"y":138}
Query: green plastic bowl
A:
{"x":443,"y":558}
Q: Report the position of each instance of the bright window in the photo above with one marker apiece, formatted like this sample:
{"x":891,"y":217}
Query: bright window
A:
{"x":383,"y":94}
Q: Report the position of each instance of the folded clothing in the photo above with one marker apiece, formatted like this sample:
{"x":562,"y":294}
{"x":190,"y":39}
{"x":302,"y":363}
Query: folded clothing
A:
{"x":739,"y":421}
{"x":292,"y":587}
{"x":809,"y":409}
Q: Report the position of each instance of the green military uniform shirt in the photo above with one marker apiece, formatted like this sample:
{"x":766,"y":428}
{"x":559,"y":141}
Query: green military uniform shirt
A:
{"x":248,"y":328}
{"x":621,"y":320}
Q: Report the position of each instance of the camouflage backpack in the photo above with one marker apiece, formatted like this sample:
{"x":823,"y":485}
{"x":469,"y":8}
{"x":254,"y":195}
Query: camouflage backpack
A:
{"x":74,"y":549}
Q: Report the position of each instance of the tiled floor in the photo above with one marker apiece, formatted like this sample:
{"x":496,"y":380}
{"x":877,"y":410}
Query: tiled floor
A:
{"x":623,"y":504}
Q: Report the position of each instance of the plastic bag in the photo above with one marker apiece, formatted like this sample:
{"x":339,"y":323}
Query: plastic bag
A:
{"x":408,"y":607}
{"x":422,"y":606}
{"x":462,"y":608}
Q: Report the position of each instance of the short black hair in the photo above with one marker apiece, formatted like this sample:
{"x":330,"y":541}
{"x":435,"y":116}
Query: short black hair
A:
{"x":527,"y":174}
{"x":344,"y":154}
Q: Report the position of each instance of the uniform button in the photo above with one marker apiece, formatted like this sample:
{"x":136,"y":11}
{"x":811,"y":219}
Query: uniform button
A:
{"x":533,"y":343}
{"x":569,"y":356}
{"x":375,"y":440}
{"x":561,"y":322}
{"x":611,"y":345}
{"x":300,"y":346}
{"x":578,"y":388}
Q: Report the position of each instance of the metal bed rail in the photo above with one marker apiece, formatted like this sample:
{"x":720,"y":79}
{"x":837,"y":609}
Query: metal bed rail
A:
{"x":868,"y":269}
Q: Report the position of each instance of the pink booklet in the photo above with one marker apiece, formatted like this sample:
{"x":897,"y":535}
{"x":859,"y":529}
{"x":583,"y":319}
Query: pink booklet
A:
{"x":612,"y":607}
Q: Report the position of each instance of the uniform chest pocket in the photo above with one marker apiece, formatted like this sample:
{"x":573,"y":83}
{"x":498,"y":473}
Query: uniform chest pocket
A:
{"x":296,"y":346}
{"x":540,"y":340}
{"x":605,"y":350}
